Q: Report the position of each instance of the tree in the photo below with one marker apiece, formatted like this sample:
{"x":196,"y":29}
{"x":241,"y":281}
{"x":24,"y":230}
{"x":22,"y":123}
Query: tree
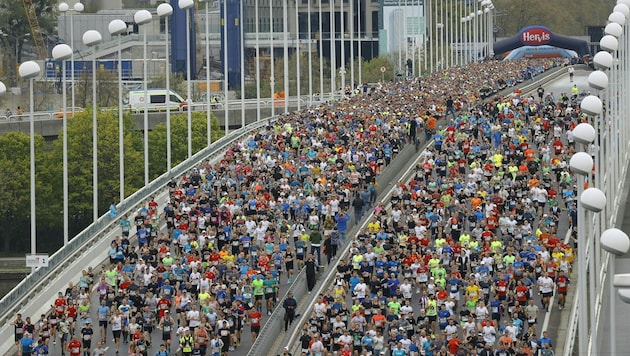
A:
{"x":16,"y":31}
{"x":15,"y":189}
{"x":80,"y":165}
{"x":179,"y":140}
{"x":372,"y":69}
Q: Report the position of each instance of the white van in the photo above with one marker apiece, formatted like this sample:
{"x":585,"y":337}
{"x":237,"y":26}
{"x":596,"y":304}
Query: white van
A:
{"x":156,"y":100}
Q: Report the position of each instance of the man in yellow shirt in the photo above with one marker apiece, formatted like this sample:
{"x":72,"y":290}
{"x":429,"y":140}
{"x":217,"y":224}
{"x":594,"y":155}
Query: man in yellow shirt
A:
{"x":472,"y":291}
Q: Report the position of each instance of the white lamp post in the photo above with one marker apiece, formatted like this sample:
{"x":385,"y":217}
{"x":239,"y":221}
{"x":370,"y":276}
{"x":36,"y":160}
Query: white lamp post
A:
{"x":617,"y":243}
{"x":186,"y":5}
{"x":591,"y":199}
{"x":93,"y":38}
{"x":321,"y":55}
{"x":63,"y":8}
{"x":165,"y":10}
{"x":440,"y":45}
{"x":29,"y":70}
{"x":143,"y":17}
{"x":117,"y":28}
{"x":583,"y":134}
{"x":285,"y":40}
{"x":257,"y":24}
{"x":62,"y":52}
{"x":206,"y":34}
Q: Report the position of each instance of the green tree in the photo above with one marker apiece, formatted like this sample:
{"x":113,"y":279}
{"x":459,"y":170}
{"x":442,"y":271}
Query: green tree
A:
{"x":80,"y":164}
{"x":372,"y":69}
{"x":15,"y":189}
{"x":179,"y":140}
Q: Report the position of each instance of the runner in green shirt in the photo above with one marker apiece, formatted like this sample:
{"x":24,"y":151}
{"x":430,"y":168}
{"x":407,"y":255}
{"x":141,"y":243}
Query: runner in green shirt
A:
{"x":259,"y":292}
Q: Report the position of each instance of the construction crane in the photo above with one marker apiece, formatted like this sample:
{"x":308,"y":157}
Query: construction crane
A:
{"x":36,"y":30}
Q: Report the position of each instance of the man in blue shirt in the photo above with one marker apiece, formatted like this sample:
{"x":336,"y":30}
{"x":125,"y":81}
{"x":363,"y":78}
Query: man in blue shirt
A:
{"x":27,"y":344}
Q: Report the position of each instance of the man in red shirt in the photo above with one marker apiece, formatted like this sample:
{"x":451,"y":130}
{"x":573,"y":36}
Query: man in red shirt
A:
{"x":453,"y":345}
{"x":60,"y":305}
{"x":74,"y":346}
{"x":557,"y":146}
{"x":502,"y":289}
{"x":254,"y":318}
{"x":562,"y":283}
{"x":163,"y":305}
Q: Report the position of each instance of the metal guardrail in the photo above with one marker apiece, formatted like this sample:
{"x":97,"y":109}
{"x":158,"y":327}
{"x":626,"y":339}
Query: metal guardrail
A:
{"x":38,"y":116}
{"x":13,"y":301}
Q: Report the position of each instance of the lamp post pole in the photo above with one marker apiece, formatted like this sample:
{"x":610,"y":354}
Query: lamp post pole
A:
{"x":93,"y":38}
{"x":241,"y":31}
{"x":78,"y":7}
{"x":117,"y":28}
{"x":208,"y":111}
{"x":29,"y":70}
{"x":186,"y":5}
{"x":271,"y":62}
{"x":165,"y":10}
{"x":285,"y":38}
{"x":143,"y":17}
{"x":321,"y":54}
{"x":62,"y":52}
{"x":257,"y":24}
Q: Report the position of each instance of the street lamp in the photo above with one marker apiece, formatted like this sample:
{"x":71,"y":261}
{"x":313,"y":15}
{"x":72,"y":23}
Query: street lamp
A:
{"x":93,"y":38}
{"x":206,"y":34}
{"x":440,"y":44}
{"x":186,"y":5}
{"x":143,"y":17}
{"x":602,"y":60}
{"x":62,"y":52}
{"x":166,"y":10}
{"x":29,"y":70}
{"x":581,"y":164}
{"x":63,"y":8}
{"x":117,"y":28}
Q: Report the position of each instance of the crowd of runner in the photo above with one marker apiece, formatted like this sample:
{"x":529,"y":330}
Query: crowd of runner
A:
{"x":473,"y":233}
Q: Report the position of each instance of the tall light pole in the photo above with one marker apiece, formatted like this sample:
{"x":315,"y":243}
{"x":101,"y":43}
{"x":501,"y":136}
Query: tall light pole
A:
{"x":165,"y":10}
{"x":206,"y":36}
{"x":62,"y":52}
{"x":117,"y":28}
{"x":582,"y":163}
{"x":241,"y":33}
{"x":143,"y":17}
{"x":225,"y":68}
{"x":440,"y":40}
{"x":93,"y":38}
{"x":310,"y":55}
{"x":297,"y":55}
{"x":257,"y":24}
{"x":285,"y":39}
{"x":360,"y":35}
{"x":321,"y":54}
{"x":186,"y":5}
{"x":272,"y":78}
{"x":63,"y":8}
{"x":29,"y":70}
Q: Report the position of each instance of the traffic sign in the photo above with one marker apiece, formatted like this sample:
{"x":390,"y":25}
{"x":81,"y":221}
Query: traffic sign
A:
{"x":383,"y":69}
{"x":36,"y":260}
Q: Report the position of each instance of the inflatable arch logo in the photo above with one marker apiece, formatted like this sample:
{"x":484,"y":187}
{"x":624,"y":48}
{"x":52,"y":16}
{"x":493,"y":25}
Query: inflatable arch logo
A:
{"x":535,"y":36}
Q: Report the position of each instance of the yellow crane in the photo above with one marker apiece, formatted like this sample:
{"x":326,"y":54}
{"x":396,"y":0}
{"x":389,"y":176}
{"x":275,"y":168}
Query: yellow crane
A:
{"x":36,"y":30}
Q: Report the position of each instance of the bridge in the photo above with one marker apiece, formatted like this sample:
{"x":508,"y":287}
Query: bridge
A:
{"x":31,"y":296}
